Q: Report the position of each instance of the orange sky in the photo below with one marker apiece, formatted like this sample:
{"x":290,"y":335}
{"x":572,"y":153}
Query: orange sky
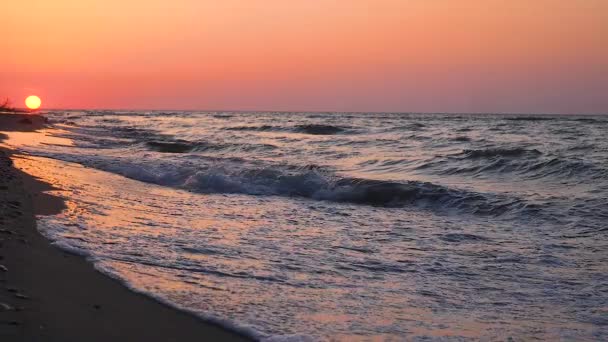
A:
{"x":343,"y":55}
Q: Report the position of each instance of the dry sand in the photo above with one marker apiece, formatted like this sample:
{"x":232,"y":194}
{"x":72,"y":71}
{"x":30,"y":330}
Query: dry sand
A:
{"x":49,"y":295}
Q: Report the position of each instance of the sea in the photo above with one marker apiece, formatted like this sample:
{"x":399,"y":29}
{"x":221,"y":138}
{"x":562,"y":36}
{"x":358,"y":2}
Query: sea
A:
{"x":341,"y":226}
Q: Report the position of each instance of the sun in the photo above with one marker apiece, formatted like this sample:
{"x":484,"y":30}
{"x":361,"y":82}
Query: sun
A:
{"x":33,"y":102}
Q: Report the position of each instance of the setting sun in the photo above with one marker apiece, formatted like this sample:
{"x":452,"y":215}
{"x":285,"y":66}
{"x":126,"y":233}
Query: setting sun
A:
{"x":33,"y":102}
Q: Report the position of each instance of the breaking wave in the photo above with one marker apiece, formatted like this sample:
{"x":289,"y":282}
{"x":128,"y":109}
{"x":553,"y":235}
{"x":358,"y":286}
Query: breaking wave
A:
{"x":227,"y":176}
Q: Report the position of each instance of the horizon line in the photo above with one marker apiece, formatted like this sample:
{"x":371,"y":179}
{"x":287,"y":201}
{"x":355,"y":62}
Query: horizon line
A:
{"x":310,"y":111}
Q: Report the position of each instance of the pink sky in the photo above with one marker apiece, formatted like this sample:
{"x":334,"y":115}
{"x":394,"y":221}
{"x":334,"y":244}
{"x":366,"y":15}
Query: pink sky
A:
{"x":541,"y":56}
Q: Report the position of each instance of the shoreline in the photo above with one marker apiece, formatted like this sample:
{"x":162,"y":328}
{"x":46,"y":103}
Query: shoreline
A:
{"x":51,"y":295}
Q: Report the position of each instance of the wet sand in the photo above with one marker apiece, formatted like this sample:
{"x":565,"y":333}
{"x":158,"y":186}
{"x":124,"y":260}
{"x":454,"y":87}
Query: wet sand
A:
{"x":47,"y":294}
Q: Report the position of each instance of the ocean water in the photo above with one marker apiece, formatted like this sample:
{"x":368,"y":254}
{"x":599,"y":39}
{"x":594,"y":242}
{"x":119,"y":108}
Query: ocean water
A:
{"x":342,"y":226}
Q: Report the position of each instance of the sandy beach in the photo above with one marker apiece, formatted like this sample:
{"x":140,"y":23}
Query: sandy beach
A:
{"x":47,"y":294}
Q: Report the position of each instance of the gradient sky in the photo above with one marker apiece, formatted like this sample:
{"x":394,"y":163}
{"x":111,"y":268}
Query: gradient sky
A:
{"x":518,"y":56}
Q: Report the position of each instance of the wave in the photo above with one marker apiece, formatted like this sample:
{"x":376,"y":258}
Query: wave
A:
{"x":500,"y":152}
{"x":135,"y":134}
{"x":223,"y":116}
{"x":120,"y":137}
{"x":530,"y":163}
{"x":591,"y":120}
{"x":461,"y":138}
{"x":213,"y":175}
{"x":415,"y":126}
{"x":530,"y":118}
{"x":313,"y":129}
{"x":262,"y":128}
{"x":183,"y":146}
{"x":170,"y":147}
{"x":315,"y":184}
{"x":319,"y":129}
